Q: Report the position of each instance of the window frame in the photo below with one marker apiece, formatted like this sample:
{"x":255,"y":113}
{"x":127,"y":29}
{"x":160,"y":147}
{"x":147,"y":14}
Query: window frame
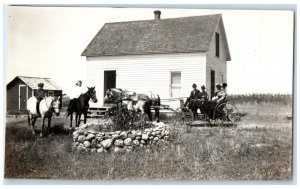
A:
{"x":217,"y":44}
{"x":175,"y":85}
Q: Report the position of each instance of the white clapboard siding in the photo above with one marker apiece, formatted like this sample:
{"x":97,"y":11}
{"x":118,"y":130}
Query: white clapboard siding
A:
{"x":219,"y":64}
{"x":141,"y":73}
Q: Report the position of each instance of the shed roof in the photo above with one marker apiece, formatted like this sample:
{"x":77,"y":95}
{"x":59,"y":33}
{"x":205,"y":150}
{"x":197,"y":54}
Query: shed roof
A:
{"x":33,"y":82}
{"x":174,"y":35}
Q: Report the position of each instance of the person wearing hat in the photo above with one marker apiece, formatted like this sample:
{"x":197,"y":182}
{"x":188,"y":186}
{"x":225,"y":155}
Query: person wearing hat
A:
{"x":193,"y":97}
{"x":215,"y":97}
{"x":220,"y":97}
{"x":40,"y":95}
{"x":203,"y":96}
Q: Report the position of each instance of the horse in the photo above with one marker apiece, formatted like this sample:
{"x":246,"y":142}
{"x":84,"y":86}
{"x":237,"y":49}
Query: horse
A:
{"x":135,"y":102}
{"x":48,"y":106}
{"x":81,"y":106}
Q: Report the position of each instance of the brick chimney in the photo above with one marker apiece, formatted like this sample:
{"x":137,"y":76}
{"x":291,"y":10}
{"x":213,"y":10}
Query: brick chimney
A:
{"x":157,"y":14}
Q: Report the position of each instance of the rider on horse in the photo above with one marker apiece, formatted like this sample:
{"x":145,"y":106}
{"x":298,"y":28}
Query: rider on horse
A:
{"x":40,"y":95}
{"x":76,"y":94}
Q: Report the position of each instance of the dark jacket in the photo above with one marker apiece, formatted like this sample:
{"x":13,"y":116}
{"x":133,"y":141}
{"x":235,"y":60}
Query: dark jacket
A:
{"x":40,"y":94}
{"x":203,"y":96}
{"x":194,"y":95}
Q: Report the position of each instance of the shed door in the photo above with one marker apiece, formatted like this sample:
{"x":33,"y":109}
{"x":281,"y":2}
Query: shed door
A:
{"x":109,"y":80}
{"x":212,"y":83}
{"x":23,"y":97}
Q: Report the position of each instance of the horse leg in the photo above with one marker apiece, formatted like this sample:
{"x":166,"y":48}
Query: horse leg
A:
{"x":157,"y":115}
{"x":42,"y":126}
{"x":79,"y":119}
{"x":85,"y":117}
{"x":71,"y":119}
{"x":49,"y":124}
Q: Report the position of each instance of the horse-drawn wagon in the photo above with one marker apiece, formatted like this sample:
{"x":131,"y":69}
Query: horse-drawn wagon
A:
{"x":223,"y":114}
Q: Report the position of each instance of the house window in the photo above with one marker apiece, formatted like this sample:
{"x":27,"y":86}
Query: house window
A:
{"x":217,"y":45}
{"x":175,"y":84}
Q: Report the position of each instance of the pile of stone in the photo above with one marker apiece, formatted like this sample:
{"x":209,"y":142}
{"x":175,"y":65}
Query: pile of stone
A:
{"x":119,"y":141}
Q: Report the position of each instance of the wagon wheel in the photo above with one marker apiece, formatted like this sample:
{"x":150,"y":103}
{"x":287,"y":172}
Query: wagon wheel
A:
{"x":219,"y":115}
{"x":232,"y":114}
{"x":179,"y":116}
{"x":184,"y":115}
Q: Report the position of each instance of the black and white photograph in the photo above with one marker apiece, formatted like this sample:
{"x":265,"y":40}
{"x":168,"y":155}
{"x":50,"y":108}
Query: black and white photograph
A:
{"x":168,"y":94}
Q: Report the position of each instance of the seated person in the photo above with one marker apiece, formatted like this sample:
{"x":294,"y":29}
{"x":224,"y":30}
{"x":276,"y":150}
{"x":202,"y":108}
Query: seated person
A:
{"x":203,"y":97}
{"x":193,"y":97}
{"x":220,"y":97}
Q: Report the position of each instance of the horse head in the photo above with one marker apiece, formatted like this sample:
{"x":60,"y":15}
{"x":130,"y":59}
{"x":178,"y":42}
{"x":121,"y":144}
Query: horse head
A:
{"x":112,"y":95}
{"x":55,"y":104}
{"x":92,"y":94}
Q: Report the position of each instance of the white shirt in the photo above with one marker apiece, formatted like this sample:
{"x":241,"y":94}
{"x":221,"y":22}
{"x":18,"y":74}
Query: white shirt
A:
{"x":77,"y":92}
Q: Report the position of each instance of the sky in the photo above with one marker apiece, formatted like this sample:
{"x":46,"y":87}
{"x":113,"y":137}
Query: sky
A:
{"x":48,"y":42}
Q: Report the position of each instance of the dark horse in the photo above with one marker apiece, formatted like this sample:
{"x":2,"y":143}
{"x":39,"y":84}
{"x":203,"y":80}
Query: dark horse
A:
{"x":81,"y":106}
{"x":134,"y":102}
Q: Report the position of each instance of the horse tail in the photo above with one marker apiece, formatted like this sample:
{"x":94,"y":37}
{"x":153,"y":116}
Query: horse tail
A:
{"x":158,"y":100}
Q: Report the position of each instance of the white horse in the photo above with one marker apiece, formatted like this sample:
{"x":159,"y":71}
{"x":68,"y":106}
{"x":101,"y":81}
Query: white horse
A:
{"x":48,"y":106}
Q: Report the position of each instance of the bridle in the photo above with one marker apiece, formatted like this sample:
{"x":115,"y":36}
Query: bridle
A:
{"x":51,"y":108}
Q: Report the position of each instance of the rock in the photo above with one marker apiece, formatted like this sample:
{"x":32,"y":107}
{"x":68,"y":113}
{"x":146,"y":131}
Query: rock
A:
{"x":151,"y":137}
{"x":136,"y":142}
{"x":157,"y":132}
{"x":79,"y":131}
{"x":99,"y":150}
{"x":98,"y":146}
{"x":118,"y":149}
{"x":119,"y":143}
{"x":115,"y":136}
{"x":167,"y":132}
{"x":166,"y":138}
{"x":93,"y":143}
{"x":123,"y":135}
{"x":143,"y":142}
{"x":130,"y":135}
{"x":138,"y":133}
{"x":117,"y":132}
{"x":76,"y":143}
{"x":106,"y":143}
{"x":145,"y":136}
{"x":152,"y":133}
{"x":93,"y":150}
{"x":87,"y":150}
{"x":147,"y":130}
{"x":138,"y":137}
{"x":75,"y":136}
{"x":160,"y":125}
{"x":156,"y":139}
{"x":80,"y":148}
{"x":128,"y":141}
{"x":81,"y":138}
{"x":87,"y":144}
{"x":133,"y":132}
{"x":90,"y":137}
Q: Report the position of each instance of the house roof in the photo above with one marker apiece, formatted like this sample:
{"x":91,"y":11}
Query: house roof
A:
{"x":175,"y":35}
{"x":33,"y":82}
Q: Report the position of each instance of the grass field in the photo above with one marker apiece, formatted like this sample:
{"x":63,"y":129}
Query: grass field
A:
{"x":260,"y":148}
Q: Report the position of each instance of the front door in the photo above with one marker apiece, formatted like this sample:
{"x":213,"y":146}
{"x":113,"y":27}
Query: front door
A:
{"x":109,"y":80}
{"x":212,"y":83}
{"x":23,"y":97}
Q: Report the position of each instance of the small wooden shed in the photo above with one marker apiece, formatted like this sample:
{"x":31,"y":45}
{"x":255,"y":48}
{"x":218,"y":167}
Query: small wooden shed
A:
{"x":22,"y":88}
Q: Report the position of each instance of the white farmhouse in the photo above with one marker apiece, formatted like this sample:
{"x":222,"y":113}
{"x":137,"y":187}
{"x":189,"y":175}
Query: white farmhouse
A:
{"x":165,"y":56}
